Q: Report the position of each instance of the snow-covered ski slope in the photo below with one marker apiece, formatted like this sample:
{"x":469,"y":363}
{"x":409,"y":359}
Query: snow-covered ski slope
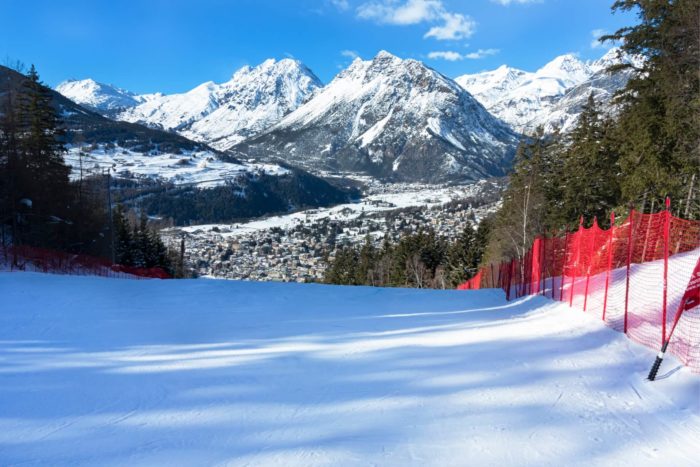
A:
{"x":107,"y":372}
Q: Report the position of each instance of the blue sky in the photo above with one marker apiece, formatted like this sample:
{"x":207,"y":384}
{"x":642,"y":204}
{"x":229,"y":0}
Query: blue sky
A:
{"x":174,"y":45}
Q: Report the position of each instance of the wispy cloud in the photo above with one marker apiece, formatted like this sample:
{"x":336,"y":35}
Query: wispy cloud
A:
{"x":448,"y":55}
{"x":508,"y":2}
{"x":597,"y":34}
{"x":351,"y":54}
{"x":481,"y":53}
{"x":456,"y":26}
{"x":448,"y":25}
{"x":410,"y":12}
{"x":340,"y":4}
{"x":453,"y":56}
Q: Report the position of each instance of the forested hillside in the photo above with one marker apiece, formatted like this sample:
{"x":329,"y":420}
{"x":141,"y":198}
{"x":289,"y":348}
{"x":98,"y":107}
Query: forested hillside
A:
{"x":421,"y":260}
{"x":649,"y":151}
{"x":39,"y":204}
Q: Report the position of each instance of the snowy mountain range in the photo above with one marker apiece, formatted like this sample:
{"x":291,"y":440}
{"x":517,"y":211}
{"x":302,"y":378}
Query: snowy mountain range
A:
{"x":219,"y":115}
{"x":104,"y":98}
{"x":393,"y":119}
{"x":551,"y":96}
{"x":171,"y":168}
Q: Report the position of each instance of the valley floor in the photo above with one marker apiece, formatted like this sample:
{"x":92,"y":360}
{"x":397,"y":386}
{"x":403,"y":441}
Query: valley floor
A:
{"x":206,"y":372}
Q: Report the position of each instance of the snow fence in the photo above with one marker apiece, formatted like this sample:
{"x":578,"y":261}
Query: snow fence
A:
{"x":28,"y":258}
{"x":632,"y":276}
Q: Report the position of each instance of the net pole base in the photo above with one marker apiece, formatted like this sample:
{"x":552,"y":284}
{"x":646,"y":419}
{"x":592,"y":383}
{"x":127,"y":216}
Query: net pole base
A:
{"x":657,"y":363}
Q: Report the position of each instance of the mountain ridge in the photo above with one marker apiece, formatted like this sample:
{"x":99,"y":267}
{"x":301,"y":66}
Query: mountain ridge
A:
{"x":216,"y":114}
{"x":393,"y":119}
{"x":526,"y":100}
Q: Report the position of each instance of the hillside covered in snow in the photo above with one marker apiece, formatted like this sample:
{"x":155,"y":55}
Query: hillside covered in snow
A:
{"x":394,"y":119}
{"x":551,"y":96}
{"x":206,"y":372}
{"x":219,"y":115}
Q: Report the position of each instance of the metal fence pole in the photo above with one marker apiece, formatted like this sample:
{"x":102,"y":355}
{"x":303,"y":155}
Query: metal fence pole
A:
{"x":630,"y":237}
{"x":610,"y":255}
{"x":667,"y":225}
{"x":579,"y":234}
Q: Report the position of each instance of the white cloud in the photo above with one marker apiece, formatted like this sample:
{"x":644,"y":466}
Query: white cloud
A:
{"x":351,"y":54}
{"x":481,"y":53}
{"x":595,"y":43}
{"x":453,"y":26}
{"x":508,"y":2}
{"x":457,"y":26}
{"x":340,"y":4}
{"x":410,"y":12}
{"x":448,"y":55}
{"x":453,"y":56}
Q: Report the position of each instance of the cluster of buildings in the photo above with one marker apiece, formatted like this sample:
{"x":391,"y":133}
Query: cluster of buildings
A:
{"x":299,"y":247}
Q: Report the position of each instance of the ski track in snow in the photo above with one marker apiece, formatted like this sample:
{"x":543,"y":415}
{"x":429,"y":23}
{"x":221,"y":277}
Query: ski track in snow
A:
{"x":204,"y":372}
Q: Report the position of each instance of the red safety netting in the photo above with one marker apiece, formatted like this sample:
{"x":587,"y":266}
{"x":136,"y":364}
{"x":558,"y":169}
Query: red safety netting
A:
{"x":472,"y":284}
{"x":621,"y":275}
{"x":27,"y":258}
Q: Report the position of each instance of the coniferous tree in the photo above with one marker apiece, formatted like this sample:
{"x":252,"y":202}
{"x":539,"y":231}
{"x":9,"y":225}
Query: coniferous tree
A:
{"x":42,"y":189}
{"x":590,"y":169}
{"x":460,"y":257}
{"x":659,"y":128}
{"x":10,"y":160}
{"x":524,"y":211}
{"x":123,"y":239}
{"x":365,"y":263}
{"x":343,"y":270}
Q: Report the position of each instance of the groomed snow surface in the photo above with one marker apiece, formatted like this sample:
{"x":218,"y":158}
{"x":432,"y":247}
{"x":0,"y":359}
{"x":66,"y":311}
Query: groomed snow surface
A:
{"x":205,"y":372}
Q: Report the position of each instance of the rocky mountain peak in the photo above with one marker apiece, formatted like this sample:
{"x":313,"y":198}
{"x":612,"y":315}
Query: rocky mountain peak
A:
{"x":394,"y":119}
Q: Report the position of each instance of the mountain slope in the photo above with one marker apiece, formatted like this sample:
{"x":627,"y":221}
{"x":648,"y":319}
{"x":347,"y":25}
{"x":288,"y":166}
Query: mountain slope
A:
{"x":392,"y":119}
{"x":552,"y":96}
{"x":88,"y":127}
{"x":166,"y":164}
{"x":211,"y":372}
{"x":105,"y":99}
{"x":219,"y":115}
{"x":490,"y":86}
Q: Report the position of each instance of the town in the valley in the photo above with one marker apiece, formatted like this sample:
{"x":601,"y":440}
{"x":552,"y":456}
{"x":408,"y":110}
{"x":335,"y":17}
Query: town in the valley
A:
{"x":298,"y":247}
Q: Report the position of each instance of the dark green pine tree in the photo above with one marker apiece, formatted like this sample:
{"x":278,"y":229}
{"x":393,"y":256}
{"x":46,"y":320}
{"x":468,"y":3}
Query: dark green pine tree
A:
{"x":383,"y":264}
{"x":123,"y":240}
{"x":343,"y":270}
{"x":659,"y":128}
{"x":138,"y":256}
{"x":590,"y":169}
{"x":10,"y":163}
{"x":145,"y":244}
{"x":42,"y":175}
{"x":461,"y":263}
{"x":366,"y":263}
{"x":481,"y":239}
{"x":524,"y":211}
{"x":160,"y":256}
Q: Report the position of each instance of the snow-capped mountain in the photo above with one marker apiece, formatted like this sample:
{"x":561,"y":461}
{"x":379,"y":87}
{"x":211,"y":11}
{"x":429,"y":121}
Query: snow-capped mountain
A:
{"x":488,"y":87}
{"x":103,"y":98}
{"x":217,"y":114}
{"x":393,"y":119}
{"x":564,"y":113}
{"x":174,"y":169}
{"x":566,"y":69}
{"x":552,"y":96}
